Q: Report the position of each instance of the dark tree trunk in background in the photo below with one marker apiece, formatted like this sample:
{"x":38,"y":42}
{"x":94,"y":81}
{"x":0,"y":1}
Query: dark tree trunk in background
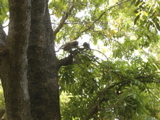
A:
{"x":29,"y":67}
{"x":42,"y":65}
{"x":14,"y":62}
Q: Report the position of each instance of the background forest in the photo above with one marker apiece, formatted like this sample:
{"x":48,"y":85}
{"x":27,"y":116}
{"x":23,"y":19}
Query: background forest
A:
{"x":118,"y":78}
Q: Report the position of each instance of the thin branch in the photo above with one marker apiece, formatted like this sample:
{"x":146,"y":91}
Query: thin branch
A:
{"x":89,"y":27}
{"x":81,"y":23}
{"x":94,"y":110}
{"x":150,"y":81}
{"x":101,"y":53}
{"x":64,"y":18}
{"x":118,"y":4}
{"x":69,"y":60}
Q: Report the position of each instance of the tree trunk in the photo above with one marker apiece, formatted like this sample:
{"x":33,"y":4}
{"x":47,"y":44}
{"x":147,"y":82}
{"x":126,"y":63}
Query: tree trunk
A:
{"x":14,"y":62}
{"x":42,"y":65}
{"x":40,"y":75}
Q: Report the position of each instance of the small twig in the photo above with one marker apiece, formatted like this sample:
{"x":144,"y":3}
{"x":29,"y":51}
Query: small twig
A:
{"x":80,"y":23}
{"x":101,"y":53}
{"x":89,"y":27}
{"x":118,"y":4}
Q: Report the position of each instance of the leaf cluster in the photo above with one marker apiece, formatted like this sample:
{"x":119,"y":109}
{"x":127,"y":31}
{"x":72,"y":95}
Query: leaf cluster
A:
{"x":124,"y":85}
{"x":3,"y":11}
{"x":110,"y":89}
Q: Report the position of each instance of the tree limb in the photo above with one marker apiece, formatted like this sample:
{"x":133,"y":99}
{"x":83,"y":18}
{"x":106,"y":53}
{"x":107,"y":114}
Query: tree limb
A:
{"x":66,"y":61}
{"x":89,"y":27}
{"x":64,"y":18}
{"x":69,"y":60}
{"x":94,"y":110}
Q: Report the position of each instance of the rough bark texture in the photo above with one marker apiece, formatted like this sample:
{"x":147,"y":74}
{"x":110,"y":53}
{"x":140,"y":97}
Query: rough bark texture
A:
{"x":14,"y":63}
{"x":2,"y":45}
{"x":42,"y":65}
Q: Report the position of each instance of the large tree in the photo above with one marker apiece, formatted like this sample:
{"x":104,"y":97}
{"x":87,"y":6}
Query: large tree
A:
{"x":14,"y":61}
{"x":30,"y":33}
{"x":30,"y":66}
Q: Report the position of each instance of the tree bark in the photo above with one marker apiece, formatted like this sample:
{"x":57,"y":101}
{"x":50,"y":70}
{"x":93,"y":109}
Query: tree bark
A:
{"x":42,"y":65}
{"x":14,"y":62}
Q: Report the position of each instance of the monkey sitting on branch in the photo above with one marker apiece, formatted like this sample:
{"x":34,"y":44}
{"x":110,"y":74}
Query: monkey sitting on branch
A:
{"x":69,"y":46}
{"x":86,"y":46}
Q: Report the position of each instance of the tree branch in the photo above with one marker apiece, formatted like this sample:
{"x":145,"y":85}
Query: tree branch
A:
{"x":69,"y":60}
{"x":64,"y":18}
{"x":94,"y":110}
{"x":95,"y":21}
{"x":66,"y":61}
{"x":89,"y":27}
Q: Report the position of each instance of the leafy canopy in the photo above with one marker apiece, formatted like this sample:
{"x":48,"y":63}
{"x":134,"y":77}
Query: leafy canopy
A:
{"x":120,"y":79}
{"x":123,"y":83}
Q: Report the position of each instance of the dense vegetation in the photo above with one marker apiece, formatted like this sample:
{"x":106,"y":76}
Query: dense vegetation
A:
{"x":119,"y":77}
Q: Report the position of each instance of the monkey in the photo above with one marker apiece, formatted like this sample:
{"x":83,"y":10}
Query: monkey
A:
{"x":69,"y":46}
{"x":86,"y":46}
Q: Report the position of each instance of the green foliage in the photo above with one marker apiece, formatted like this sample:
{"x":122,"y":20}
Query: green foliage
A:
{"x":120,"y":89}
{"x":126,"y":84}
{"x":1,"y":99}
{"x":3,"y":10}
